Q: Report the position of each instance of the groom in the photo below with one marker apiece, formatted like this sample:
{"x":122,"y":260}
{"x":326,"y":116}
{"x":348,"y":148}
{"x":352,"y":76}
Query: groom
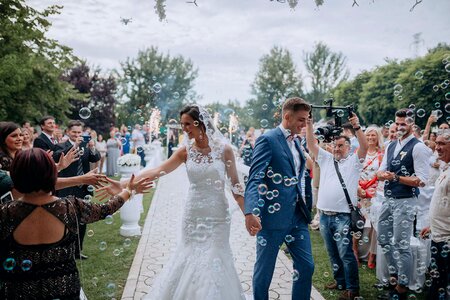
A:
{"x":273,"y":193}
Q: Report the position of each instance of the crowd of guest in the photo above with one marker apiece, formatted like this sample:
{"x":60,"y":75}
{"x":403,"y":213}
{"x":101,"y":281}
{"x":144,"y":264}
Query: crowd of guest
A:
{"x":397,"y":175}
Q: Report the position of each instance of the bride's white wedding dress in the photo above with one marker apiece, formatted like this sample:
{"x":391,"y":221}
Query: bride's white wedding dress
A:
{"x":202,"y":266}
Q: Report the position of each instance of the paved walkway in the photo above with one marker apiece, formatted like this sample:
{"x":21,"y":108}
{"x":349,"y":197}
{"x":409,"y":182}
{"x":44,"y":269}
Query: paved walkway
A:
{"x":158,"y":241}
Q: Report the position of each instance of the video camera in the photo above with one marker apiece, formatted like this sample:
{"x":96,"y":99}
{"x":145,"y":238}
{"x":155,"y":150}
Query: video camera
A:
{"x":331,"y":131}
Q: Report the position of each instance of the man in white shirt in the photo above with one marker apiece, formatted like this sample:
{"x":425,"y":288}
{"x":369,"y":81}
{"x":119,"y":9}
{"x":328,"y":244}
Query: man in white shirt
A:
{"x":404,"y":169}
{"x":335,"y":219}
{"x":440,"y":223}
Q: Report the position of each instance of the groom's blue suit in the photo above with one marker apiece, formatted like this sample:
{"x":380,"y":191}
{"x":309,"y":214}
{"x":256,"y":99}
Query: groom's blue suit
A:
{"x":272,"y":152}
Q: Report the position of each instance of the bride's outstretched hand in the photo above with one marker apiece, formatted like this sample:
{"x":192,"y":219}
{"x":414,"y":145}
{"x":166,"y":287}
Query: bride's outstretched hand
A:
{"x":114,"y":187}
{"x":141,"y":186}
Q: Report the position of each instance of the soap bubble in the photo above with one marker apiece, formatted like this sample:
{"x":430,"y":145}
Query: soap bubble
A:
{"x":419,"y":75}
{"x":110,"y":289}
{"x":262,"y":189}
{"x":277,"y":178}
{"x":289,"y":238}
{"x":264,"y":123}
{"x":90,"y":233}
{"x":157,"y":87}
{"x":256,"y":211}
{"x":116,"y":252}
{"x":337,"y":236}
{"x":264,"y":106}
{"x":277,"y":206}
{"x":398,"y":88}
{"x":102,"y":246}
{"x":271,"y":209}
{"x":109,"y":220}
{"x":26,"y":265}
{"x":340,"y":113}
{"x":90,"y":188}
{"x":127,"y":242}
{"x":360,"y":224}
{"x":176,"y":95}
{"x":250,"y":111}
{"x":84,"y":113}
{"x":421,"y":112}
{"x":9,"y":264}
{"x":261,"y":202}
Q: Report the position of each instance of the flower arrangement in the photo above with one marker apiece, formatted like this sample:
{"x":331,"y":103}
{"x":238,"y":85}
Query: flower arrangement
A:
{"x":129,"y":160}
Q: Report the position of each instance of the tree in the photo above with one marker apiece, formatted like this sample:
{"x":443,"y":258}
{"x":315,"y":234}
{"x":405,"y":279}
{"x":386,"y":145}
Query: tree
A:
{"x":31,"y":65}
{"x":326,"y":70}
{"x":154,"y":80}
{"x":100,"y":100}
{"x":420,"y":84}
{"x":276,"y":80}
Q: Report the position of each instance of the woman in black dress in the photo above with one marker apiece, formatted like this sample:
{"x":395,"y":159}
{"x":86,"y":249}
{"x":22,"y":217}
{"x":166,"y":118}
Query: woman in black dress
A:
{"x":38,"y":232}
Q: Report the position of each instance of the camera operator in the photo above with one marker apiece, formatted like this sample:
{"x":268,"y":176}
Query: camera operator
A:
{"x":335,"y":219}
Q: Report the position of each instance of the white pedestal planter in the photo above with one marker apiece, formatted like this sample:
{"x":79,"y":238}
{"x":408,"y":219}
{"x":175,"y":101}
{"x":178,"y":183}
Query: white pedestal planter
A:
{"x":130,"y":212}
{"x":148,"y":150}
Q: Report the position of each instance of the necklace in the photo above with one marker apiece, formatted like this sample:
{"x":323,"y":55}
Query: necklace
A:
{"x":372,"y":153}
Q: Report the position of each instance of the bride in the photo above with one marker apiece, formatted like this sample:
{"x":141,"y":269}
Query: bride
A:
{"x":203,"y":265}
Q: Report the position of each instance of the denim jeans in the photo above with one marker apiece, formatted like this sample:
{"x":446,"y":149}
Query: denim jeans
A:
{"x":395,"y":228}
{"x":335,"y":231}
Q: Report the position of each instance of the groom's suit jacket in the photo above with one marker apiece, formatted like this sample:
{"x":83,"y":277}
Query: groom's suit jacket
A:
{"x":272,"y":151}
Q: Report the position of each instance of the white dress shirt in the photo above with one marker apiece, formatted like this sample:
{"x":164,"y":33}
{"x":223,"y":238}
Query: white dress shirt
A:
{"x":420,"y":153}
{"x":294,"y":150}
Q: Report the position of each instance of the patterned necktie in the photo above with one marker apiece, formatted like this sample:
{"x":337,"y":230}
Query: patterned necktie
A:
{"x":291,"y":137}
{"x":80,"y":167}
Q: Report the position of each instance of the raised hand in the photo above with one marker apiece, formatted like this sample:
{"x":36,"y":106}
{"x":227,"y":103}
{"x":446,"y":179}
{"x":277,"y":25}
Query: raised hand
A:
{"x":113,"y":188}
{"x":93,"y":178}
{"x":253,"y":224}
{"x":67,"y":159}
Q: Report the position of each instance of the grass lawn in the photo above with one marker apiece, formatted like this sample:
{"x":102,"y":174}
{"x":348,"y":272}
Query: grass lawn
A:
{"x":323,"y":274}
{"x":104,"y":274}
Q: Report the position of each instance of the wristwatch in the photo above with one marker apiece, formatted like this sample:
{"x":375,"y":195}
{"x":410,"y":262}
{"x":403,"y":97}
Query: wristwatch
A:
{"x":357,"y":128}
{"x":396,"y":178}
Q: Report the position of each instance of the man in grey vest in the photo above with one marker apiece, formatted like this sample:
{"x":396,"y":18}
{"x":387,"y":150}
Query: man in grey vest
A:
{"x":404,"y":169}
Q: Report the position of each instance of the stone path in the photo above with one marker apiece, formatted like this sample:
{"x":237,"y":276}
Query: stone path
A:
{"x":159,"y":239}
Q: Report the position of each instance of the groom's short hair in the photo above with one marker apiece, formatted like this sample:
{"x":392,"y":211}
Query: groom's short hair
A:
{"x":295,"y":104}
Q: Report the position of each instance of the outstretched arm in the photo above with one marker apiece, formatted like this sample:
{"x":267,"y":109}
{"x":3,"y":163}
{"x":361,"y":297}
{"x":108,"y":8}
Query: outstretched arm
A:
{"x":236,"y":186}
{"x":310,"y":140}
{"x":166,"y":167}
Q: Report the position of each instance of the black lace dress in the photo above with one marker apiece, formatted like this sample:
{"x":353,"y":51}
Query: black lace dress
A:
{"x":46,"y":271}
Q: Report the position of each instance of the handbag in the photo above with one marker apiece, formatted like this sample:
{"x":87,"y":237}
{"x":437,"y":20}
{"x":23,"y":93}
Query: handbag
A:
{"x":357,"y":219}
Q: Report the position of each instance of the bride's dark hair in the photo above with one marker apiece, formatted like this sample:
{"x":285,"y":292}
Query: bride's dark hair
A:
{"x":194,"y":113}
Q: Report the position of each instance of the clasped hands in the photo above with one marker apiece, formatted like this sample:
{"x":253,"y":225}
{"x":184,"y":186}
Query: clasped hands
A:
{"x":253,"y":224}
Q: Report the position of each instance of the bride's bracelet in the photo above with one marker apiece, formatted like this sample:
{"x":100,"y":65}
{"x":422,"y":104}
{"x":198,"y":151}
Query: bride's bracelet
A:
{"x":130,"y":192}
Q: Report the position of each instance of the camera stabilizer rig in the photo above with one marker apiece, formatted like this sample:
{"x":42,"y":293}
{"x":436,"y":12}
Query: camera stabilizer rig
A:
{"x":331,"y":131}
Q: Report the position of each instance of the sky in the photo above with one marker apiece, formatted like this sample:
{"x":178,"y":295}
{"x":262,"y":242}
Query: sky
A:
{"x":225,"y":39}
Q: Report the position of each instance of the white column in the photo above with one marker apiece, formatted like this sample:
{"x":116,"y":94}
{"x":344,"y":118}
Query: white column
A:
{"x":130,"y":212}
